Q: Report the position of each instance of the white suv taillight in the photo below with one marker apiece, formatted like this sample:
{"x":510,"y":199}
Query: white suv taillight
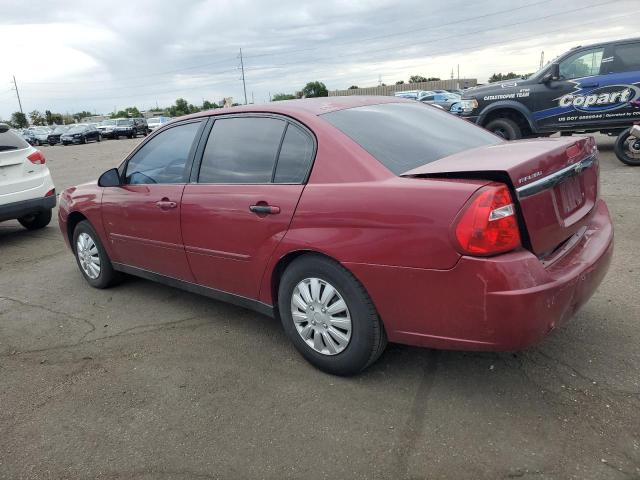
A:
{"x":37,"y":158}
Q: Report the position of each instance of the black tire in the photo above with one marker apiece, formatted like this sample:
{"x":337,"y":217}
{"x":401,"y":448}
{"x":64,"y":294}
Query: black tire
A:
{"x":84,"y":140}
{"x":107,"y":276}
{"x":505,"y":128}
{"x":36,"y":221}
{"x":622,"y":152}
{"x":99,"y":138}
{"x":38,"y":143}
{"x":368,"y":338}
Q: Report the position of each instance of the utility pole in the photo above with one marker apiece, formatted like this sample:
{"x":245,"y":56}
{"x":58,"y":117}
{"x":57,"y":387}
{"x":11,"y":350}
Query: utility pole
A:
{"x":458,"y":83}
{"x":244,"y":85}
{"x":542,"y":59}
{"x":17,"y":93}
{"x":253,"y":100}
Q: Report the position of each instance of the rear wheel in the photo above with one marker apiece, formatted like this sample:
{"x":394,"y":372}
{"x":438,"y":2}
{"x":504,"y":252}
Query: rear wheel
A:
{"x":329,"y":317}
{"x":505,"y":128}
{"x":627,"y":148}
{"x":36,"y":220}
{"x":92,"y":258}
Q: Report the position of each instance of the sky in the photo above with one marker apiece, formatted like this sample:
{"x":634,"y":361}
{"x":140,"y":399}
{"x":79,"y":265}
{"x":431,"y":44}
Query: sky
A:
{"x":70,"y":56}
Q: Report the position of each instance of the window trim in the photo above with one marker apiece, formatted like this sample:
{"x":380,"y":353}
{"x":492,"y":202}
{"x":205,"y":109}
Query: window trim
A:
{"x":197,"y":164}
{"x":122,"y":169}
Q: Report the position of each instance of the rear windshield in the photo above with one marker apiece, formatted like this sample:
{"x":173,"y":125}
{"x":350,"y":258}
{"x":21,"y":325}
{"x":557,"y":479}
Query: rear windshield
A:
{"x":11,"y":141}
{"x":404,"y":136}
{"x":124,"y":122}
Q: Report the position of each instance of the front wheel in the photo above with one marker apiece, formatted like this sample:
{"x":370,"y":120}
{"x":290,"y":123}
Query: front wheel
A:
{"x":627,"y":148}
{"x":329,"y":317}
{"x":505,"y":128}
{"x":92,"y":258}
{"x":36,"y":221}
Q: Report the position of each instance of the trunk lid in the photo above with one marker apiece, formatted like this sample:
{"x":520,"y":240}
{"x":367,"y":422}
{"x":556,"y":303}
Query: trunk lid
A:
{"x":555,"y":182}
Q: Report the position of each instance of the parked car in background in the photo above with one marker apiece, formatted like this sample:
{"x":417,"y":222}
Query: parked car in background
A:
{"x":350,"y":218}
{"x":40,"y":135}
{"x":80,"y":134}
{"x":107,"y":128}
{"x":591,"y":88}
{"x":27,"y":192}
{"x":130,"y":127}
{"x":443,"y":100}
{"x":54,"y":137}
{"x":156,"y":122}
{"x":413,"y":94}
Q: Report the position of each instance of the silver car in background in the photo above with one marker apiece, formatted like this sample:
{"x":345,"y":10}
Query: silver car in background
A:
{"x":443,"y":100}
{"x":156,"y":122}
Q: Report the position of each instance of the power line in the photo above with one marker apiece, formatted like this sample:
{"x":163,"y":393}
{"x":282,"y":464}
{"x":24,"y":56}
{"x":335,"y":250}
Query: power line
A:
{"x":403,"y":33}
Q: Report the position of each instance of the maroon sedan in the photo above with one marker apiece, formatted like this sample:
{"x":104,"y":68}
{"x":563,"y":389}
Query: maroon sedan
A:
{"x":355,"y":220}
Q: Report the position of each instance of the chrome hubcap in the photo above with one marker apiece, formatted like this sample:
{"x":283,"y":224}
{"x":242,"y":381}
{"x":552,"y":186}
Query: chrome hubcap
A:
{"x":88,"y":255}
{"x":321,"y":316}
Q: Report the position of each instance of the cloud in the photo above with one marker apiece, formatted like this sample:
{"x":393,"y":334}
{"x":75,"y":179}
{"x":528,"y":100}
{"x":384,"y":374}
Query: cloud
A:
{"x":90,"y":56}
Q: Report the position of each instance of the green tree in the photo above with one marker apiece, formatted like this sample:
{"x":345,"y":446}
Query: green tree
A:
{"x":132,"y":112}
{"x":207,"y":105}
{"x":498,"y":77}
{"x":182,"y":107}
{"x":400,"y":82}
{"x":417,"y":79}
{"x":80,"y":115}
{"x":433,"y":79}
{"x":282,"y":96}
{"x":19,"y":120}
{"x":37,"y":118}
{"x":315,"y":89}
{"x":353,"y":87}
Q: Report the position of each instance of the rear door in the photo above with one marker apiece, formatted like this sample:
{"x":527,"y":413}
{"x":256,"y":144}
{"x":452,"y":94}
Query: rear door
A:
{"x":252,"y":173}
{"x":142,"y":217}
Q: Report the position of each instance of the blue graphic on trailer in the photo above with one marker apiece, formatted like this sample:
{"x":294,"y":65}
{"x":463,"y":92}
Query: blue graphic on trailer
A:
{"x":619,"y":91}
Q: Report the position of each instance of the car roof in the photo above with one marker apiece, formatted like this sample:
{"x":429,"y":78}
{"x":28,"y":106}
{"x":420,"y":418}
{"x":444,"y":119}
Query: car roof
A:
{"x":308,"y":106}
{"x":609,"y":42}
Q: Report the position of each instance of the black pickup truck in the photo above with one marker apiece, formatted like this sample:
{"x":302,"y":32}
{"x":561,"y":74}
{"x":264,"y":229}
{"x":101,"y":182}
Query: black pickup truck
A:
{"x":587,"y":89}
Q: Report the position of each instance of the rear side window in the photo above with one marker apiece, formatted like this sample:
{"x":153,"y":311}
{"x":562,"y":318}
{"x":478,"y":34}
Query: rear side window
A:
{"x":163,"y":158}
{"x":404,"y":136}
{"x":627,"y":57}
{"x":296,"y":155}
{"x":241,"y":150}
{"x":11,"y":141}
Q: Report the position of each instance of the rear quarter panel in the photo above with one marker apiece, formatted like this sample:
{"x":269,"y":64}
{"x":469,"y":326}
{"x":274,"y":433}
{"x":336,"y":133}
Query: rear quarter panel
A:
{"x":84,"y":199}
{"x":354,"y":210}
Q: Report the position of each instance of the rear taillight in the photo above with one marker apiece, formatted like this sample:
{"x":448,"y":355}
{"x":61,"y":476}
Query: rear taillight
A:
{"x":488,"y":224}
{"x":36,"y":158}
{"x":51,"y":193}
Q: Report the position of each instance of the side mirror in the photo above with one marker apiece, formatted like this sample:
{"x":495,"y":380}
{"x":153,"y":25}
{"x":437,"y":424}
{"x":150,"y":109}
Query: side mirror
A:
{"x":552,"y":74}
{"x":110,"y":178}
{"x":4,"y":127}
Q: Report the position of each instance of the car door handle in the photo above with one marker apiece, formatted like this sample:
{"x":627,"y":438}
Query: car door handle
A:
{"x":590,"y":85}
{"x":264,"y":209}
{"x":166,"y":204}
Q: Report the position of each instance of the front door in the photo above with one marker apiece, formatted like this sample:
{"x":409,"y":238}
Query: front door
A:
{"x":560,"y":104}
{"x":142,"y":217}
{"x":251,"y":177}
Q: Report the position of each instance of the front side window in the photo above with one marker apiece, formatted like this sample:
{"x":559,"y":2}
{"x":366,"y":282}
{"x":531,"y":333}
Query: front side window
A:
{"x":241,"y":150}
{"x":581,"y":64}
{"x":163,"y":158}
{"x":404,"y":136}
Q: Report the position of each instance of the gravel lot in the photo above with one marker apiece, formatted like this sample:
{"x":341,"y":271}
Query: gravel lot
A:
{"x":143,"y":381}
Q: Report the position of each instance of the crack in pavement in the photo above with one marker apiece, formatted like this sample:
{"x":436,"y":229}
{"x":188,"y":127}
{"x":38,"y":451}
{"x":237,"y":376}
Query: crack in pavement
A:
{"x":126,"y":332}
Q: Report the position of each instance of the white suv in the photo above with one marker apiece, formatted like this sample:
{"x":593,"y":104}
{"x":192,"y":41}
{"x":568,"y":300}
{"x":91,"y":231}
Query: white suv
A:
{"x":27,"y":192}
